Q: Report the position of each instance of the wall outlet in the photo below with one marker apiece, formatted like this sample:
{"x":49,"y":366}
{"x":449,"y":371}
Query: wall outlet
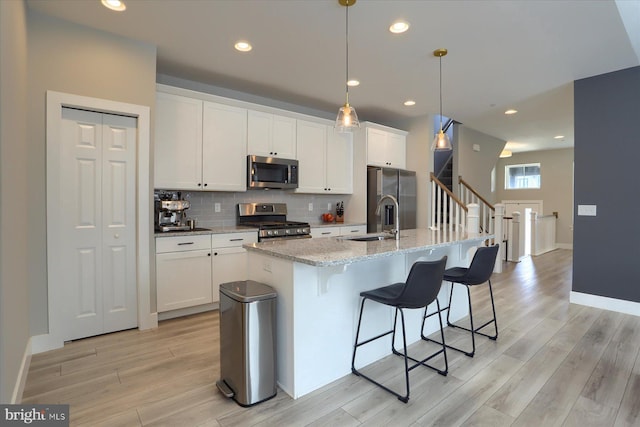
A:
{"x":328,"y":206}
{"x":267,"y":266}
{"x":310,"y":207}
{"x":216,"y":207}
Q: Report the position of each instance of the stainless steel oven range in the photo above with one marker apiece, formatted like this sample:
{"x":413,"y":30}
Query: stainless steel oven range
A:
{"x":271,"y":221}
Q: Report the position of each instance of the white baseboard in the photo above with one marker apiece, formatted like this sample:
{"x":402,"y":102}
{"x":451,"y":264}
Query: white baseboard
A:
{"x":188,"y":311}
{"x":564,"y":246}
{"x":605,"y":303}
{"x":18,"y":389}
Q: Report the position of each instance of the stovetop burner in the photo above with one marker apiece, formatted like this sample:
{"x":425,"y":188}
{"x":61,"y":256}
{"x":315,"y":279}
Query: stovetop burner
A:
{"x":271,"y":221}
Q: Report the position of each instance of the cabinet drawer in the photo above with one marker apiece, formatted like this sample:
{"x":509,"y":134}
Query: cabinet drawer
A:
{"x":182,"y":243}
{"x":353,"y":229}
{"x":225,"y":240}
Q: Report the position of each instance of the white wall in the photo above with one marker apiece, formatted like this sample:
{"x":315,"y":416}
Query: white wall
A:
{"x":14,"y":204}
{"x":70,"y":58}
{"x":420,"y":160}
{"x":556,"y":186}
{"x":475,"y":166}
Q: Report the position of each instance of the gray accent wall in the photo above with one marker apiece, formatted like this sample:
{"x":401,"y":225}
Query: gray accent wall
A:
{"x":14,"y":190}
{"x":607,"y":156}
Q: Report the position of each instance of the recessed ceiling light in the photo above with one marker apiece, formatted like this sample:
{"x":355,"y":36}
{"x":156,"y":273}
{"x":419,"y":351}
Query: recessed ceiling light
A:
{"x":511,"y":111}
{"x":243,"y":46}
{"x":399,"y":27}
{"x":353,"y":82}
{"x":116,"y":5}
{"x":409,"y":102}
{"x":558,"y":137}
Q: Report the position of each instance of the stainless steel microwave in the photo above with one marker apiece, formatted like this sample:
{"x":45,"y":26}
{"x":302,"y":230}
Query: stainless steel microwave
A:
{"x":271,"y":172}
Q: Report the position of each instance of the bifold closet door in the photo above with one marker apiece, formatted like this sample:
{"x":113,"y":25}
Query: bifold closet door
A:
{"x":97,"y":275}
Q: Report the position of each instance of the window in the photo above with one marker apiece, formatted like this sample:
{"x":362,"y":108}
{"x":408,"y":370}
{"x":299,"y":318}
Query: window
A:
{"x":522,"y":176}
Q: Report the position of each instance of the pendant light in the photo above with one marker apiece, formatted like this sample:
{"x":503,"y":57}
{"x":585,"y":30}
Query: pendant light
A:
{"x":347,"y":120}
{"x":441,"y":142}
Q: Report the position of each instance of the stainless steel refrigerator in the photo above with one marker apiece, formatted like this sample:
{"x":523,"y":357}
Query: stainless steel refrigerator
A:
{"x":399,"y":183}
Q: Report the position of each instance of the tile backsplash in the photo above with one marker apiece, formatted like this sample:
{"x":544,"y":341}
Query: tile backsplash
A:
{"x":203,"y":205}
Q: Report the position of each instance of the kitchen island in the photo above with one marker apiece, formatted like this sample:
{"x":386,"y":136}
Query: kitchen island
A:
{"x":319,"y":282}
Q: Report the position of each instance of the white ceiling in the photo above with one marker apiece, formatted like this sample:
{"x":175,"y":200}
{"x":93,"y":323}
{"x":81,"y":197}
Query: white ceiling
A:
{"x":502,"y":54}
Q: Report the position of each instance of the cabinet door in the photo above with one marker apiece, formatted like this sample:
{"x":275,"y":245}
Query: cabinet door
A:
{"x":183,"y":279}
{"x":377,"y":148}
{"x":178,"y":142}
{"x":339,"y":173}
{"x":224,"y":148}
{"x":228,"y":265}
{"x":397,"y":150}
{"x":284,"y":137}
{"x":259,"y":133}
{"x":311,"y":146}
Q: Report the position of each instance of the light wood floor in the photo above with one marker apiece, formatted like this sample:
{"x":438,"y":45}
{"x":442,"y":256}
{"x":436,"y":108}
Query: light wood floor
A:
{"x":554,"y":363}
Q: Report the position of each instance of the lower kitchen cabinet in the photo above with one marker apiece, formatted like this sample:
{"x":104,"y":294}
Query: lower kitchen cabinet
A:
{"x":190,"y":269}
{"x":229,"y":259}
{"x":345,"y":230}
{"x":183,"y":271}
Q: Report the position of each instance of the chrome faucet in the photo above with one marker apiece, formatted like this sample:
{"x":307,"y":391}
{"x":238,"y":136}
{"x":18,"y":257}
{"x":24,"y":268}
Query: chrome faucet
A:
{"x":396,"y":207}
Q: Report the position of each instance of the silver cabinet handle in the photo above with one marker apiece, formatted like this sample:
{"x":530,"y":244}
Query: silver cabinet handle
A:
{"x":185,"y":243}
{"x":236,"y":240}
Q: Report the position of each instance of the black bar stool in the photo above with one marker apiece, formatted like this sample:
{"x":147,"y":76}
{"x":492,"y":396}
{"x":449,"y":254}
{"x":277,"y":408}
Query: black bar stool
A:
{"x":420,"y":289}
{"x":479,"y":272}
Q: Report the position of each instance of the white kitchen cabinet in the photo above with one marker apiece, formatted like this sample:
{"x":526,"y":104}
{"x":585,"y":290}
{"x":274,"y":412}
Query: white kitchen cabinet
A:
{"x":271,"y":135}
{"x":327,"y":231}
{"x":386,"y":148}
{"x":224,"y":148}
{"x":353,"y":230}
{"x":325,"y":159}
{"x":229,"y":260}
{"x":183,"y":271}
{"x":338,"y":230}
{"x":178,"y":142}
{"x":199,"y":145}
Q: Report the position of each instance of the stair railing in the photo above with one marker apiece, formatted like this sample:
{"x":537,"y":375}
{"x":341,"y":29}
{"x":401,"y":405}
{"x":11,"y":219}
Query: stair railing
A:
{"x":447,"y":210}
{"x":487,"y":210}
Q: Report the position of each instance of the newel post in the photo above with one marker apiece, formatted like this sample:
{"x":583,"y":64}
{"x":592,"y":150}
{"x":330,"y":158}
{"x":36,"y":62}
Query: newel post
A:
{"x":473,"y":218}
{"x":498,"y":230}
{"x":534,"y":233}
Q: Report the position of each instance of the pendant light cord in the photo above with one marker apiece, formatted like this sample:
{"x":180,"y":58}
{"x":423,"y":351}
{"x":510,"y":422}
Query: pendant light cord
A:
{"x":440,"y":93}
{"x":347,"y":51}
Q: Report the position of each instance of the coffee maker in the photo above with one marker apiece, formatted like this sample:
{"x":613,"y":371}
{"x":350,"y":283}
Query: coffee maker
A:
{"x":170,"y":212}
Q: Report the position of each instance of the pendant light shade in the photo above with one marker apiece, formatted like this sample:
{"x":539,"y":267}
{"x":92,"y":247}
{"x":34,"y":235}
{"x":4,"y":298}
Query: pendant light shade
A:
{"x":441,"y":142}
{"x":347,"y":120}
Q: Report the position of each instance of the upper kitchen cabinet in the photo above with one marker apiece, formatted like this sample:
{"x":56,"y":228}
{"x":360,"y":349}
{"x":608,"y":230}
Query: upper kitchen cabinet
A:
{"x":224,"y":147}
{"x":325,"y":159}
{"x":199,"y":145}
{"x":386,"y":147}
{"x":271,"y":135}
{"x":178,"y":142}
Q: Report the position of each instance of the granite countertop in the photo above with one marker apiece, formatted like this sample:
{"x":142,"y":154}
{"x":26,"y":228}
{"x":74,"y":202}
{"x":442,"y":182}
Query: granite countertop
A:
{"x":334,"y":251}
{"x":204,"y":231}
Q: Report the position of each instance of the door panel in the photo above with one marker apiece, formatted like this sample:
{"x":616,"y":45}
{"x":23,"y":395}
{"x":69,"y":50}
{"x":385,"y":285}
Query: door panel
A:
{"x":118,"y":222}
{"x":97,"y":222}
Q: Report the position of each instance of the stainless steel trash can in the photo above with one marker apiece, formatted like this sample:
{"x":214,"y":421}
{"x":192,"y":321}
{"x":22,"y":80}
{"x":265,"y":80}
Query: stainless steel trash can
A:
{"x":247,"y":342}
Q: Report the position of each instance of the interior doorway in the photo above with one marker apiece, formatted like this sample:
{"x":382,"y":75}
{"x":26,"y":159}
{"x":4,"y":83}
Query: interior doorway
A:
{"x":139,"y":182}
{"x":524,"y":207}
